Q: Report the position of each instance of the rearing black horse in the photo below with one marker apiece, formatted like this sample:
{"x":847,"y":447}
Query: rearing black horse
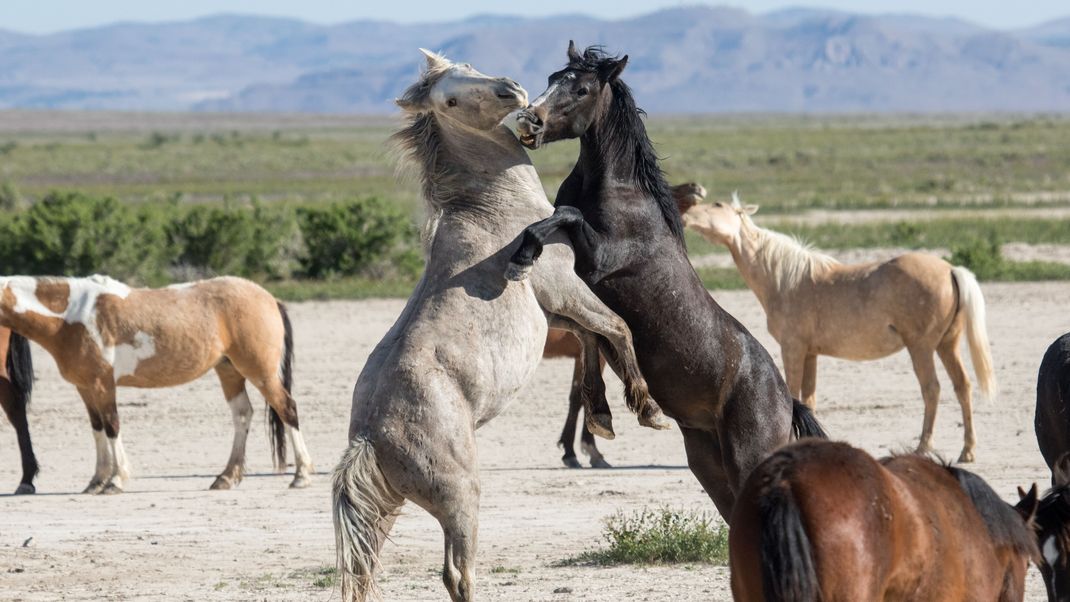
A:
{"x":703,"y":367}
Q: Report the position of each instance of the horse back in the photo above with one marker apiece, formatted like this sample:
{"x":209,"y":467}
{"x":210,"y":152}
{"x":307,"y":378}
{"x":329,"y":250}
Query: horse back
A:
{"x":1052,"y":418}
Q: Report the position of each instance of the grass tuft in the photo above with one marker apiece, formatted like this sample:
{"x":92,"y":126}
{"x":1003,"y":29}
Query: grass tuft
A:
{"x":661,"y":536}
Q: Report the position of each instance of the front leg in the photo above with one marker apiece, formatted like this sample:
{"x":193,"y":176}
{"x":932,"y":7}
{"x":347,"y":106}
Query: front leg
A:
{"x":588,"y":375}
{"x":583,"y":237}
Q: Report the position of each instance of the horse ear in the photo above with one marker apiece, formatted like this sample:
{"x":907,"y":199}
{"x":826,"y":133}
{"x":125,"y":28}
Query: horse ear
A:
{"x":1060,"y":471}
{"x":1028,"y":504}
{"x":750,"y":209}
{"x":434,"y":60}
{"x":573,"y":54}
{"x":610,"y":69}
{"x":1021,"y":493}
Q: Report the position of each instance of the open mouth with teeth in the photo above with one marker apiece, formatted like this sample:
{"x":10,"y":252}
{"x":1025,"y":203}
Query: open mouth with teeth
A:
{"x":530,"y":140}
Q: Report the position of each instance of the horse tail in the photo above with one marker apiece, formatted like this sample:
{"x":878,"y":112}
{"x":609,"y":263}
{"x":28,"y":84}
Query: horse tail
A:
{"x":20,"y":368}
{"x":973,"y":303}
{"x":804,"y":423}
{"x":362,"y":506}
{"x":276,"y":427}
{"x":788,"y":573}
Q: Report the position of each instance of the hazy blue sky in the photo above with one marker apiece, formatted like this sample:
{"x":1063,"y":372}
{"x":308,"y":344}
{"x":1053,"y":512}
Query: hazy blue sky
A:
{"x":52,"y":15}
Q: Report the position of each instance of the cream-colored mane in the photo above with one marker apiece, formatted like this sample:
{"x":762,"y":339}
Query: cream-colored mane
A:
{"x":786,"y":261}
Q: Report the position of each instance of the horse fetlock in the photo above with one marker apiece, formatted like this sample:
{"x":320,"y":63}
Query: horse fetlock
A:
{"x":224,"y":482}
{"x":966,"y":456}
{"x":570,"y":461}
{"x":601,"y":425}
{"x":651,"y":416}
{"x":517,"y":272}
{"x":596,"y":458}
{"x":95,"y":486}
{"x":112,"y":488}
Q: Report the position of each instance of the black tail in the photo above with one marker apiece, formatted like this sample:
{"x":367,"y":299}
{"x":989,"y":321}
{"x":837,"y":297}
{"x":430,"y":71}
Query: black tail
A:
{"x":804,"y":423}
{"x":787,"y":561}
{"x":20,"y":368}
{"x":276,"y":427}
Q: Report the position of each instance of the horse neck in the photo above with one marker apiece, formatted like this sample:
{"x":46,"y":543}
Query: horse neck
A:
{"x":482,"y":177}
{"x":751,"y":253}
{"x":26,"y":306}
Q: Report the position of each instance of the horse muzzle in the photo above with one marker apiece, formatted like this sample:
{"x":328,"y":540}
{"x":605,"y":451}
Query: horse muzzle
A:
{"x":530,"y":128}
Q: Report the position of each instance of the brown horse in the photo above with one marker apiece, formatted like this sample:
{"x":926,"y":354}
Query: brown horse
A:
{"x":824,"y":521}
{"x":816,"y":305}
{"x":103,"y":334}
{"x":561,"y":343}
{"x":16,"y":384}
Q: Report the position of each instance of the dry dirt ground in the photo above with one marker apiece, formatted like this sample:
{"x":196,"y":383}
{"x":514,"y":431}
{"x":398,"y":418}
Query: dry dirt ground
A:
{"x":168,"y":537}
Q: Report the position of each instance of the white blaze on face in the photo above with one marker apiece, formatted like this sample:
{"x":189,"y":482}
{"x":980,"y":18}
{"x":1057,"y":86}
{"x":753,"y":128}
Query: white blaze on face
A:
{"x":127,"y":357}
{"x":541,"y":100}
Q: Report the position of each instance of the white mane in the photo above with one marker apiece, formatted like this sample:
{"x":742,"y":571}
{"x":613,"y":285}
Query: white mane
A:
{"x":786,"y":260}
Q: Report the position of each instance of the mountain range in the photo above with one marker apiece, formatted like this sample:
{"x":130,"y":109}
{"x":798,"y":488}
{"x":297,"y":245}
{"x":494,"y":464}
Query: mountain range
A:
{"x":697,"y":59}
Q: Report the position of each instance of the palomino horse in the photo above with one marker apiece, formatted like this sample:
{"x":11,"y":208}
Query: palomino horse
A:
{"x":815,"y":305}
{"x":825,"y":521}
{"x":16,"y":384}
{"x":468,"y":340}
{"x":560,"y":343}
{"x":1052,"y":419}
{"x":104,"y":334}
{"x":704,"y":368}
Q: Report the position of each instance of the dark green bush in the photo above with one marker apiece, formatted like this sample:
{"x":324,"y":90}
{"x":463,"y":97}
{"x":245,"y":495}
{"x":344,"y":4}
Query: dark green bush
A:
{"x":243,"y":241}
{"x":662,"y":536}
{"x":982,"y":256}
{"x":75,"y":234}
{"x":364,"y":237}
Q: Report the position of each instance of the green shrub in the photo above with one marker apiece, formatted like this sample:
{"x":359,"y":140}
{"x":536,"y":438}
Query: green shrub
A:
{"x":659,"y":537}
{"x":254,"y":241}
{"x":363,"y":237}
{"x":73,"y":234}
{"x":982,"y":256}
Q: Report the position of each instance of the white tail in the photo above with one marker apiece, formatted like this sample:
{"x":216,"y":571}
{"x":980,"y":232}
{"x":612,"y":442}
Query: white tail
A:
{"x":973,"y":303}
{"x":362,"y":504}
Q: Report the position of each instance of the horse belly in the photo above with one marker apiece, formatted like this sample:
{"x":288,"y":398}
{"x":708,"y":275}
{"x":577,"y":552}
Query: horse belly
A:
{"x":861,"y":343}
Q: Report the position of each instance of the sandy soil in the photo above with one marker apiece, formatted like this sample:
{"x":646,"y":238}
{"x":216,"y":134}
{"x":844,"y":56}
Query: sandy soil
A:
{"x":170,"y":538}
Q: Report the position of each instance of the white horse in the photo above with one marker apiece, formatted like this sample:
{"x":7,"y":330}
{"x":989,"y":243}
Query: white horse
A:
{"x":468,"y":340}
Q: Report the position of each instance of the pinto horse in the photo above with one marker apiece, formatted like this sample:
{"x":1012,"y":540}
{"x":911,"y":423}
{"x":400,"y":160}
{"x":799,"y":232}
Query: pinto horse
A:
{"x":824,"y":521}
{"x":561,"y":343}
{"x":104,"y":334}
{"x":16,"y":384}
{"x":703,"y":367}
{"x":815,"y":305}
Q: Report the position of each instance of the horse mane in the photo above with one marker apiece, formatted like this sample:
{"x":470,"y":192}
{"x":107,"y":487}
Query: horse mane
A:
{"x":787,"y":260}
{"x":626,"y":141}
{"x":1005,"y":525}
{"x":418,"y":145}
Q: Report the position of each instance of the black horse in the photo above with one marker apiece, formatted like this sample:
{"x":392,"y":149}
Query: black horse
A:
{"x":1051,"y":526}
{"x":1052,"y":418}
{"x":703,"y":367}
{"x":16,"y":384}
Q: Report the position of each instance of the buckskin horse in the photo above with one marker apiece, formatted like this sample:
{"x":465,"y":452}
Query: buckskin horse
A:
{"x":703,"y":367}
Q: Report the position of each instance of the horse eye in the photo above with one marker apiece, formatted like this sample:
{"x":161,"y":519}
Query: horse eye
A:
{"x":718,"y":205}
{"x":581,"y":92}
{"x":451,"y":102}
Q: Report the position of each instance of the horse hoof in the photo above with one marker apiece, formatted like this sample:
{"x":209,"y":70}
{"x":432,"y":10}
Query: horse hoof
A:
{"x":222,"y":483}
{"x":517,"y":272}
{"x":570,"y":462}
{"x":300,"y":482}
{"x":600,"y":463}
{"x":111,"y":489}
{"x":25,"y":489}
{"x":601,"y":425}
{"x":93,"y":487}
{"x":966,"y":457}
{"x":653,"y":418}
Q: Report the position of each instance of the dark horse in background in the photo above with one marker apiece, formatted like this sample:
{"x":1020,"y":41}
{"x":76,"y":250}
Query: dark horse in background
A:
{"x":1052,"y":418}
{"x":561,"y":343}
{"x":702,"y":366}
{"x":825,"y":521}
{"x":16,"y":384}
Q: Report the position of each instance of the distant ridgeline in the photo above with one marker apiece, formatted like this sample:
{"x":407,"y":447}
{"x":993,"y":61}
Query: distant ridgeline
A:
{"x":687,"y":60}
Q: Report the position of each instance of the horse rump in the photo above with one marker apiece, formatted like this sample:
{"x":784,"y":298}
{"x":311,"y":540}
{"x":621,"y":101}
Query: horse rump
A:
{"x":788,"y":573}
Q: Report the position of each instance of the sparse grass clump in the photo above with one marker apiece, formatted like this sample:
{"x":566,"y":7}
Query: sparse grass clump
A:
{"x":326,"y":578}
{"x":661,"y":536}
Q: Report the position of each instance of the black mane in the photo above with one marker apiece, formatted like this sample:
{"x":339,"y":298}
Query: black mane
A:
{"x":1004,"y":523}
{"x":1053,"y":515}
{"x":625,"y":140}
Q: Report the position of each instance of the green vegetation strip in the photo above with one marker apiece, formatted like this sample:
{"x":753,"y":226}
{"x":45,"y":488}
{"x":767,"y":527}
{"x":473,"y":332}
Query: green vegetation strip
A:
{"x":660,"y":536}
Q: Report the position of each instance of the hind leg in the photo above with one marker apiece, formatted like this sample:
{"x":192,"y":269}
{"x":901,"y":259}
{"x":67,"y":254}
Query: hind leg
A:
{"x":460,"y":530}
{"x":925,"y":370}
{"x":241,"y":411}
{"x":568,"y":433}
{"x":16,"y":413}
{"x":704,"y":459}
{"x":948,"y":350}
{"x":284,"y":405}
